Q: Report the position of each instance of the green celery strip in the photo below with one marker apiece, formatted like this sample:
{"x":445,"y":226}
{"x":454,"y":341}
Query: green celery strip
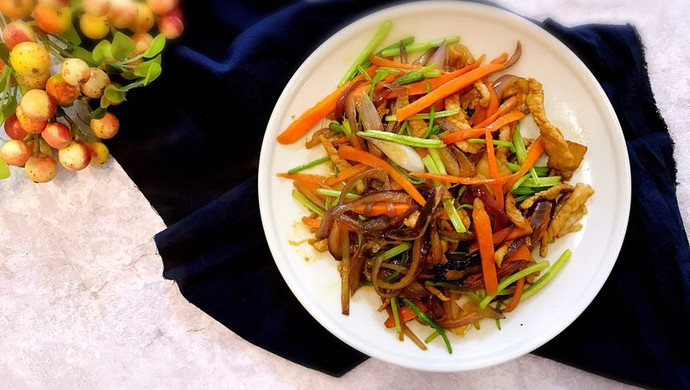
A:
{"x":512,"y":279}
{"x":433,"y":164}
{"x":306,"y":202}
{"x":521,"y":150}
{"x":432,"y":115}
{"x":418,"y":75}
{"x":520,"y":181}
{"x":495,"y":142}
{"x":431,"y":337}
{"x":403,"y":139}
{"x":406,"y":174}
{"x":308,"y":165}
{"x":335,"y":126}
{"x":346,"y":129}
{"x":403,"y":128}
{"x":548,"y":181}
{"x":334,"y":193}
{"x":364,"y":55}
{"x":421,"y":46}
{"x":396,"y":250}
{"x":426,"y":115}
{"x":395,"y":308}
{"x":422,"y":316}
{"x":548,"y":275}
{"x":403,"y":261}
{"x":526,"y":190}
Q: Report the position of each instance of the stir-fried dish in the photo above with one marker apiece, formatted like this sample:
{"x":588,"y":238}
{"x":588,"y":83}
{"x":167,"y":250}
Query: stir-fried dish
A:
{"x":433,"y":196}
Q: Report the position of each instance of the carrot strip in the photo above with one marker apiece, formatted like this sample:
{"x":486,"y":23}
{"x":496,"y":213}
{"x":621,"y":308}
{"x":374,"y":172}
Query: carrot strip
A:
{"x":380,"y":61}
{"x":521,"y":253}
{"x":482,"y":230}
{"x":352,"y":154}
{"x":406,"y":314}
{"x":304,"y":178}
{"x":503,"y":235}
{"x":533,"y":153}
{"x":479,"y":115}
{"x":319,"y":111}
{"x":312,"y":223}
{"x":420,"y":87}
{"x":446,"y":90}
{"x":516,"y":296}
{"x":506,"y":119}
{"x":346,"y":174}
{"x":508,"y":105}
{"x":382,"y":208}
{"x":463,"y":135}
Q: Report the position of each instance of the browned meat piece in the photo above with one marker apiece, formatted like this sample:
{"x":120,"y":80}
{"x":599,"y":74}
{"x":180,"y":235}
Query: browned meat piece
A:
{"x":484,"y":93}
{"x":419,"y":127}
{"x":320,"y":245}
{"x":459,"y":56}
{"x":560,"y":156}
{"x":459,"y":120}
{"x":469,"y":98}
{"x":568,"y":213}
{"x":550,"y":194}
{"x":515,"y":215}
{"x":578,"y":152}
{"x":333,"y":154}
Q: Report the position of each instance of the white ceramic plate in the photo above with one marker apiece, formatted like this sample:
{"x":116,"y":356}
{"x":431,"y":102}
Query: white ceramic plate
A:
{"x":574,"y":101}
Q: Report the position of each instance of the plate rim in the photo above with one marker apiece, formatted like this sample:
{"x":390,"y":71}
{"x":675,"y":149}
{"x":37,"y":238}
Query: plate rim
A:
{"x":298,"y":78}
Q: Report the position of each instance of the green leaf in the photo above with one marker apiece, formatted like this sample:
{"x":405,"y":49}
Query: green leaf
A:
{"x":104,"y":102}
{"x":83,"y":54}
{"x":156,"y":47}
{"x":4,"y":170}
{"x":72,"y":36}
{"x":128,"y":75}
{"x":143,"y":69}
{"x":122,"y":46}
{"x":153,"y":73}
{"x":102,"y":51}
{"x":4,"y":53}
{"x":114,"y":94}
{"x":98,"y":113}
{"x":8,"y":109}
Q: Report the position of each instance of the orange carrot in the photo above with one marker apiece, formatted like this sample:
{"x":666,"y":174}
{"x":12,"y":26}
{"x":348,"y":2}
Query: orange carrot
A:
{"x":405,"y":314}
{"x":506,"y":119}
{"x":304,"y":178}
{"x":503,"y":235}
{"x":507,"y":105}
{"x":479,"y":115}
{"x":380,"y":61}
{"x":313,"y":115}
{"x":533,"y":153}
{"x":352,"y":154}
{"x":346,"y":174}
{"x":420,"y":87}
{"x":383,"y":208}
{"x":446,"y":90}
{"x":312,"y":223}
{"x":482,"y":230}
{"x":521,"y":253}
{"x":463,"y":135}
{"x":516,"y":296}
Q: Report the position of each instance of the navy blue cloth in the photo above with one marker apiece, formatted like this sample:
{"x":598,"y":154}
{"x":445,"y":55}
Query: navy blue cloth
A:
{"x":191,"y":142}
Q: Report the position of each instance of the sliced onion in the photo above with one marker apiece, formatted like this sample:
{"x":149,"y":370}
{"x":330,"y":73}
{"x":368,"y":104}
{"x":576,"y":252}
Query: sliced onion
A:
{"x":342,"y":99}
{"x":439,"y":56}
{"x":403,"y":155}
{"x":424,"y":57}
{"x":502,"y":83}
{"x":516,"y":56}
{"x":425,"y":216}
{"x":539,"y":219}
{"x":367,"y":112}
{"x":381,"y":196}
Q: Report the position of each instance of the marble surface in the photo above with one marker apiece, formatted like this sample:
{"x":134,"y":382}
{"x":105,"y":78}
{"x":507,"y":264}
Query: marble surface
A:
{"x":84,"y":304}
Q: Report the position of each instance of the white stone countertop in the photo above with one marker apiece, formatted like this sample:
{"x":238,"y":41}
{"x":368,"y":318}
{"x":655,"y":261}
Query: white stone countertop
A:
{"x":84,"y":304}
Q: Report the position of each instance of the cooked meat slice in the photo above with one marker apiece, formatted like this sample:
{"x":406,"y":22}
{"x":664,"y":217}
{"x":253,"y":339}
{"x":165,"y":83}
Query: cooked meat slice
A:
{"x":333,"y":154}
{"x":459,"y":56}
{"x":578,"y":152}
{"x":560,"y":156}
{"x":469,"y":148}
{"x":515,"y":215}
{"x":484,"y":93}
{"x":459,"y":120}
{"x":469,"y":98}
{"x":550,"y":194}
{"x":419,"y":127}
{"x":569,"y":212}
{"x":503,"y":151}
{"x":320,"y":245}
{"x":500,"y":254}
{"x":411,"y":220}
